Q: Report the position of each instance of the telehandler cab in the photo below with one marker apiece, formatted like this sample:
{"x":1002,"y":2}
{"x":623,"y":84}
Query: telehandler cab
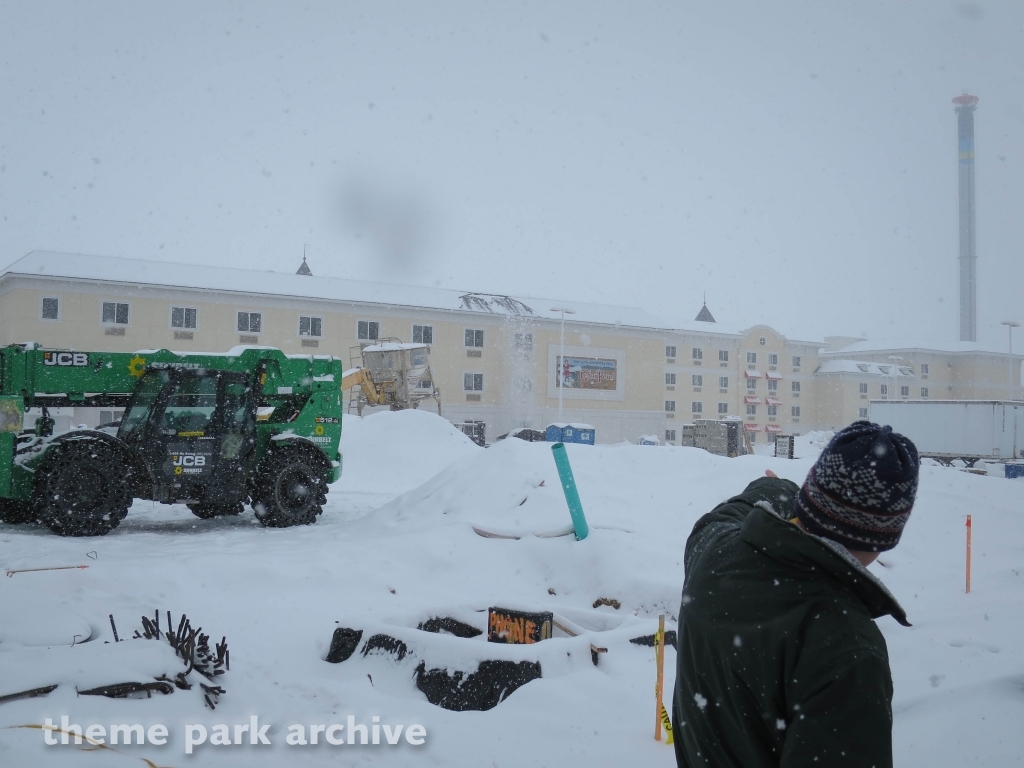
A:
{"x":210,"y":431}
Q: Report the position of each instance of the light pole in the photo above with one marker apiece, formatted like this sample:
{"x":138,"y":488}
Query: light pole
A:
{"x":1010,"y":325}
{"x":895,"y":363}
{"x":561,"y":357}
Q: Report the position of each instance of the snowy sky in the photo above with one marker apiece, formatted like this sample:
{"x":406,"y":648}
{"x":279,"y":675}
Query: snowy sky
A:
{"x":795,"y":160}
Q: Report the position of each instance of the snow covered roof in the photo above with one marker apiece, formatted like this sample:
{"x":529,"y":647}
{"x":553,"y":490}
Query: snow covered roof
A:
{"x":203,"y":277}
{"x":249,"y":281}
{"x":909,"y":345}
{"x":862,"y":367}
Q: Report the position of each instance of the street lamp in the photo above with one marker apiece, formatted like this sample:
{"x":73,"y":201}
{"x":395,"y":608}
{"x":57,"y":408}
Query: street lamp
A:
{"x":896,"y":359}
{"x":1010,"y":325}
{"x":561,"y":357}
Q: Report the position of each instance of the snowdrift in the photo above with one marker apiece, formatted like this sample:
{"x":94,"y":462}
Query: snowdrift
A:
{"x":396,"y":546}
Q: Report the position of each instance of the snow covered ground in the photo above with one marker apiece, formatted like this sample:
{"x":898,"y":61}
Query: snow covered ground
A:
{"x":396,"y":546}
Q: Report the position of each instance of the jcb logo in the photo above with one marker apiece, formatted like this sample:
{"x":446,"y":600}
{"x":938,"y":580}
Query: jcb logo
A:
{"x":188,"y":460}
{"x":66,"y":359}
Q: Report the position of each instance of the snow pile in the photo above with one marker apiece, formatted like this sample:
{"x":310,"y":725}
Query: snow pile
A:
{"x":391,"y":452}
{"x":811,"y":444}
{"x":396,"y":546}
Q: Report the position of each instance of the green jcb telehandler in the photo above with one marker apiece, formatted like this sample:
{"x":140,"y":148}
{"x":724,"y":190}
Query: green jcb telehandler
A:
{"x":210,"y":431}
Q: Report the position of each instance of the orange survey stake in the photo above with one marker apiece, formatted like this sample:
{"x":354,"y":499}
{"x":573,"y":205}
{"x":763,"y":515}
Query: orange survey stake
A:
{"x":968,"y":553}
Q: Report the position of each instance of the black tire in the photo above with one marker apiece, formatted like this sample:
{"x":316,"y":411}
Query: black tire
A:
{"x":14,"y":512}
{"x":83,"y":489}
{"x":289,"y":488}
{"x":208,"y":511}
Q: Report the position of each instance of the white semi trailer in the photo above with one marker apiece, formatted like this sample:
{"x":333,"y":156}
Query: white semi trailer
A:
{"x":945,"y":430}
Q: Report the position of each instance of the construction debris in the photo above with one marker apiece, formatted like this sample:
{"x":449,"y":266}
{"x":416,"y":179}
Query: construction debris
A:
{"x":491,"y":683}
{"x":29,"y":694}
{"x":130,"y":690}
{"x":343,"y":644}
{"x":648,"y":640}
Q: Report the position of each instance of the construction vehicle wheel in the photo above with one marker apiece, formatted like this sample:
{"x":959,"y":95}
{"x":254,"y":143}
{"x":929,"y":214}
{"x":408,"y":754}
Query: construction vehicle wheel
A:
{"x":207,"y":511}
{"x":82,"y":489}
{"x":13,"y":511}
{"x":289,"y":489}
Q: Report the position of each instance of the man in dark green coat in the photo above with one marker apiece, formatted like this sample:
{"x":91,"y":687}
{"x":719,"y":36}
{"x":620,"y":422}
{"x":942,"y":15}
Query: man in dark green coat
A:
{"x":779,"y":660}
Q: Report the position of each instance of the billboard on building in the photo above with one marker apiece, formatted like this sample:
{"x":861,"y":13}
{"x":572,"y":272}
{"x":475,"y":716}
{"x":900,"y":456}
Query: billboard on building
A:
{"x":595,"y":373}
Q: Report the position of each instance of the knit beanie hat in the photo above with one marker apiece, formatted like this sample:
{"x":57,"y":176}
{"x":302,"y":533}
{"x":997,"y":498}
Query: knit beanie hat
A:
{"x":861,"y":489}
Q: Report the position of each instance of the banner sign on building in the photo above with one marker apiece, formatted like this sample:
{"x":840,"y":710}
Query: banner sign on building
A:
{"x":587,"y":373}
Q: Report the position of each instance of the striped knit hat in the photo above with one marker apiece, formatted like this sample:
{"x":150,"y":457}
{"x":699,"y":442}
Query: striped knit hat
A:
{"x":861,"y":489}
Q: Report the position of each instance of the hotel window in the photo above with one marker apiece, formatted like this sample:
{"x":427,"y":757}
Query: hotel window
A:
{"x":670,"y":406}
{"x":311,"y":326}
{"x":367,"y":330}
{"x":698,"y":353}
{"x":723,"y":382}
{"x":423,"y":334}
{"x":773,"y":410}
{"x":723,"y":356}
{"x":773,"y":359}
{"x":924,"y":369}
{"x":924,"y":391}
{"x":751,"y":358}
{"x":904,"y":391}
{"x":795,"y":386}
{"x":751,"y":384}
{"x":794,"y":411}
{"x":184,"y":317}
{"x":723,"y":408}
{"x":670,"y":435}
{"x":250,"y":322}
{"x":474,"y":338}
{"x":473,"y":382}
{"x":670,"y":351}
{"x":696,"y":407}
{"x":862,"y":413}
{"x":115,"y":313}
{"x":50,"y":309}
{"x":796,"y":361}
{"x":751,"y":410}
{"x":697,"y":380}
{"x":773,"y":385}
{"x":670,"y":379}
{"x":862,"y":388}
{"x":884,"y":390}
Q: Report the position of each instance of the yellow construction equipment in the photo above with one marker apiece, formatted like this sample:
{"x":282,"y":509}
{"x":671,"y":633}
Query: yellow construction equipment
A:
{"x":388,"y":372}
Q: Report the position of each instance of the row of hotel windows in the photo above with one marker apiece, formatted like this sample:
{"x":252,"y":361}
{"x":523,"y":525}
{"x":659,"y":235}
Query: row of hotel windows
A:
{"x":187,"y":318}
{"x":723,"y":409}
{"x":697,"y":380}
{"x":723,"y":356}
{"x":884,"y":389}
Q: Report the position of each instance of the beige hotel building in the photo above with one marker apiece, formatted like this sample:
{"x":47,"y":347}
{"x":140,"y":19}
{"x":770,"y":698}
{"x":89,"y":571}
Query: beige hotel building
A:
{"x":495,"y":358}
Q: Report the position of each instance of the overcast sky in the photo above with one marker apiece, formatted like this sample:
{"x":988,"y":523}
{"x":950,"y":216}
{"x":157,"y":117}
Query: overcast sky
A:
{"x":795,"y":161}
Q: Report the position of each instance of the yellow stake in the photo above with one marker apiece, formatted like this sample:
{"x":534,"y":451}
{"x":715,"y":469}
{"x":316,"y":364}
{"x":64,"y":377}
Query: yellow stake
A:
{"x":659,"y":659}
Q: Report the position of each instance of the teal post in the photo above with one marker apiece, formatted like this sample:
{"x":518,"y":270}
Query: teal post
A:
{"x":572,"y":497}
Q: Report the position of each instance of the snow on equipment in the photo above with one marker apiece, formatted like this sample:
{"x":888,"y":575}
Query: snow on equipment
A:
{"x":572,"y":496}
{"x":722,"y":437}
{"x":211,"y":431}
{"x":481,"y":685}
{"x":570,"y":433}
{"x":390,"y":373}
